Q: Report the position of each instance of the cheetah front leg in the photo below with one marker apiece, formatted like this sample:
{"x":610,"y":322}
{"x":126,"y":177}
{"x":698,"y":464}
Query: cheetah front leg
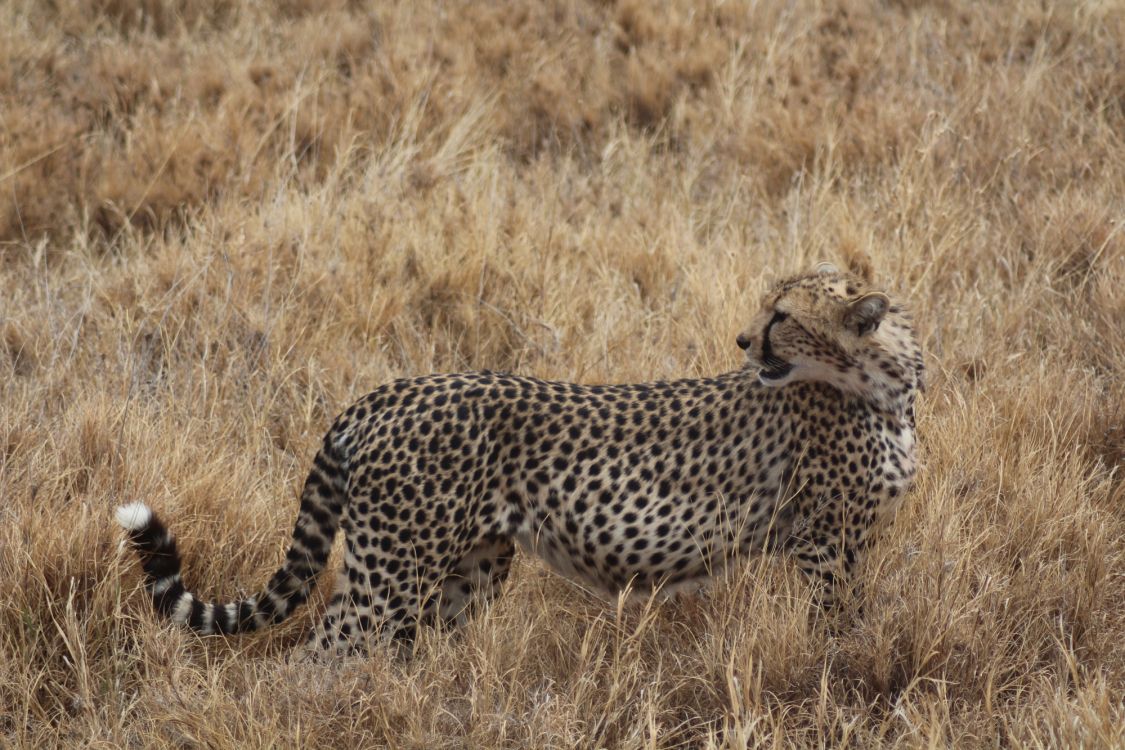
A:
{"x":828,"y":545}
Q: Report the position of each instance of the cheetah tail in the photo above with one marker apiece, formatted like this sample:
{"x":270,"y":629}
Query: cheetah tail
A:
{"x":322,"y":502}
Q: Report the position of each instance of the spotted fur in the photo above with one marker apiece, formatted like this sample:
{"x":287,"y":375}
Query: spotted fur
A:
{"x":435,"y":480}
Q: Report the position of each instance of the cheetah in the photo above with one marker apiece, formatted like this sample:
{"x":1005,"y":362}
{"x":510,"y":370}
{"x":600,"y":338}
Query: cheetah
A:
{"x":435,"y":480}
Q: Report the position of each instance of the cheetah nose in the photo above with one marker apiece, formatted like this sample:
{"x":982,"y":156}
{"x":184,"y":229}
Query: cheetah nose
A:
{"x":743,"y":341}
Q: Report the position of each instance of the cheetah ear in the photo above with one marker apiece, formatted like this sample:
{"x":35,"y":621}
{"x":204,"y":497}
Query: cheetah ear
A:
{"x":865,"y":313}
{"x":826,"y":268}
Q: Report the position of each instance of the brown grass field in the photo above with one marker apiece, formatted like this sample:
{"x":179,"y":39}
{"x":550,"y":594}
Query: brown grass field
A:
{"x":221,"y":222}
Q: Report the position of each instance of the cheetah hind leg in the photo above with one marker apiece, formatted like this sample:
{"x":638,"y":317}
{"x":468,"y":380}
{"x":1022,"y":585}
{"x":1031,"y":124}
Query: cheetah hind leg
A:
{"x":475,"y":581}
{"x":358,"y":614}
{"x":384,"y":604}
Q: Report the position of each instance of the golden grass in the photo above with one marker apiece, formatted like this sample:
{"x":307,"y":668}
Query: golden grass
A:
{"x":220,"y":222}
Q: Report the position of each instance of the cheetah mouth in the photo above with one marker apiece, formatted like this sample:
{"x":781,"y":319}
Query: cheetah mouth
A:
{"x":776,"y":370}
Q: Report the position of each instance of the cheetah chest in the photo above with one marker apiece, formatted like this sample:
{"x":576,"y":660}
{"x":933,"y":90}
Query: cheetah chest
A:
{"x":895,"y":466}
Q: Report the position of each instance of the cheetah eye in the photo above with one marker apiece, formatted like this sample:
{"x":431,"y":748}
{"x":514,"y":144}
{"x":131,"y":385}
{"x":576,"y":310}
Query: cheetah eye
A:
{"x":778,"y":316}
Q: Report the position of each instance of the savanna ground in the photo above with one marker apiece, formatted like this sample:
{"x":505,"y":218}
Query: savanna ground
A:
{"x":220,"y":222}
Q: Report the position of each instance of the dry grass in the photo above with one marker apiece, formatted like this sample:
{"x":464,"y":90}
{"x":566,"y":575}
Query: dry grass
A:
{"x":220,"y":222}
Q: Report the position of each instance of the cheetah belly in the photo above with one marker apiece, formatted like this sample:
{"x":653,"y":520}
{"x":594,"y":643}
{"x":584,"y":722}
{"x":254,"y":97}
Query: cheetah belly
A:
{"x":550,"y":551}
{"x":560,"y":560}
{"x":674,"y":554}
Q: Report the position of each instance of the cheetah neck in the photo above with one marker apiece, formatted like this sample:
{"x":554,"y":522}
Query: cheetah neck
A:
{"x":886,"y":374}
{"x":891,"y":394}
{"x":886,"y":389}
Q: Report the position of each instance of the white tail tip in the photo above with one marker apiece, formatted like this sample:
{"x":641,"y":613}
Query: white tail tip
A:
{"x":134,"y":516}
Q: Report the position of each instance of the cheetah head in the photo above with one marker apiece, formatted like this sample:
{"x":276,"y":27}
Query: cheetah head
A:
{"x":831,"y":326}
